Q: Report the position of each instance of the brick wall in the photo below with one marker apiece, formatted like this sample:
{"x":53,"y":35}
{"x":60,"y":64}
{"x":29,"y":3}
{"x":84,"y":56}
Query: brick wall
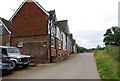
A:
{"x":56,"y":43}
{"x":30,"y":20}
{"x":34,"y":45}
{"x":53,"y":52}
{"x":5,"y":37}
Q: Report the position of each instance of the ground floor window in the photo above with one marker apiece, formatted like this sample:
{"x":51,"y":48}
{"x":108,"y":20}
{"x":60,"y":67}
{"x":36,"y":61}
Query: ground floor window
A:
{"x":52,"y":42}
{"x":59,"y":44}
{"x":7,"y":44}
{"x":20,"y":44}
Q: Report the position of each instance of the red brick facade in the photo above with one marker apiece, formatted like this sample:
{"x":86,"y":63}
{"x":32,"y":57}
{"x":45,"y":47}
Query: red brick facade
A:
{"x":5,"y":37}
{"x":4,"y":32}
{"x":37,"y":46}
{"x":30,"y":20}
{"x":30,"y":26}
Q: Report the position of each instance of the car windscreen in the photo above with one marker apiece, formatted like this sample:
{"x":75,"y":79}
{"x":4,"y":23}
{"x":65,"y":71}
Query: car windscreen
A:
{"x":13,"y":50}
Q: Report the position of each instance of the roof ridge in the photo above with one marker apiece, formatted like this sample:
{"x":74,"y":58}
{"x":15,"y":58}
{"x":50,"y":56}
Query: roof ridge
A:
{"x":62,"y":20}
{"x":22,"y":4}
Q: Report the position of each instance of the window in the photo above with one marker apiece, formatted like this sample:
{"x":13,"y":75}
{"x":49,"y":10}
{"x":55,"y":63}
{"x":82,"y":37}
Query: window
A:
{"x":53,"y":31}
{"x":13,"y":50}
{"x":7,"y":44}
{"x":58,"y":35}
{"x":64,"y":41}
{"x":0,"y":24}
{"x":20,"y":44}
{"x":49,"y":27}
{"x":52,"y":42}
{"x":61,"y":36}
{"x":4,"y":51}
{"x":59,"y":44}
{"x":74,"y":48}
{"x":68,"y":44}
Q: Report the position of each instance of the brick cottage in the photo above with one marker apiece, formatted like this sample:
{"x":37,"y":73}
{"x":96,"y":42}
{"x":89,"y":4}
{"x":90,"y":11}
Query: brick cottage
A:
{"x":37,"y":32}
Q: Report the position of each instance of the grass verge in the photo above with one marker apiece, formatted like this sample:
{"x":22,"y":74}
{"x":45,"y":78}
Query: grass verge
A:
{"x":107,"y":63}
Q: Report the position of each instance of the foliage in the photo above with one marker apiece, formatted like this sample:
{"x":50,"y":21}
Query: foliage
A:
{"x":97,"y":48}
{"x":81,"y":49}
{"x":112,"y":36}
{"x":107,"y":62}
{"x":113,"y":51}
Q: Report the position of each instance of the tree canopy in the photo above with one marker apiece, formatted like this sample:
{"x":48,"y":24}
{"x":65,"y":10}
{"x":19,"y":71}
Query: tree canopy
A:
{"x":81,"y":49}
{"x":112,"y":36}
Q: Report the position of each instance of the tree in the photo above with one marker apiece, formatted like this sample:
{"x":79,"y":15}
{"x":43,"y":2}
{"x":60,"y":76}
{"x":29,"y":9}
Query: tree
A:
{"x":112,"y":36}
{"x":81,"y":49}
{"x":98,"y":47}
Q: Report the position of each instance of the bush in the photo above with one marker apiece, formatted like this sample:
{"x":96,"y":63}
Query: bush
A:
{"x":113,"y":51}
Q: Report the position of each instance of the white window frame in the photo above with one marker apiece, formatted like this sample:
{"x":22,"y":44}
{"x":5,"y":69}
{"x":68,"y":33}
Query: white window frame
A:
{"x":7,"y":44}
{"x":20,"y":44}
{"x":49,"y":25}
{"x":64,"y":41}
{"x":61,"y":38}
{"x":59,"y":44}
{"x":52,"y":42}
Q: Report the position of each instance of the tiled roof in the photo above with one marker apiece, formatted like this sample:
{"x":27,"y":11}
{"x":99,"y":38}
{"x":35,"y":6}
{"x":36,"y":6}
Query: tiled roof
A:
{"x":6,"y":23}
{"x":64,"y":25}
{"x":51,"y":12}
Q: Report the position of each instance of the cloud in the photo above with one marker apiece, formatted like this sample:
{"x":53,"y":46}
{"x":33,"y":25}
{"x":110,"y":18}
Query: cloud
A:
{"x":112,"y":17}
{"x":89,"y":38}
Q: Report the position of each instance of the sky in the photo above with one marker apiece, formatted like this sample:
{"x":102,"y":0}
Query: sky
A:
{"x":88,"y":20}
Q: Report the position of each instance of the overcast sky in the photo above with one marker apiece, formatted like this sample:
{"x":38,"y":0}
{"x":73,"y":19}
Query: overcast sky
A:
{"x":87,"y":19}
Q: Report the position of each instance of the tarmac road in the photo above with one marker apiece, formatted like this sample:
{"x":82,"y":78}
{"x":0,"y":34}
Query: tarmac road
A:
{"x":81,"y":66}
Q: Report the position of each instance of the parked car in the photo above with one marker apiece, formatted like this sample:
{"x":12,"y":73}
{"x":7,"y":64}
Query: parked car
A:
{"x":6,"y":66}
{"x":14,"y":55}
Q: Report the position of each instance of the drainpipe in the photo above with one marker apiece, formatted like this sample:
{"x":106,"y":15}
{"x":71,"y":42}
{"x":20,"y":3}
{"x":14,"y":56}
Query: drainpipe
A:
{"x":50,"y":42}
{"x":50,"y":48}
{"x":10,"y":39}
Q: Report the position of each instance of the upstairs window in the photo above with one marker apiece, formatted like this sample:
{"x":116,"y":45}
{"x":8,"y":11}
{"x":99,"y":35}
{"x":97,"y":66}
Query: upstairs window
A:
{"x":61,"y":38}
{"x":58,"y":35}
{"x":64,"y":41}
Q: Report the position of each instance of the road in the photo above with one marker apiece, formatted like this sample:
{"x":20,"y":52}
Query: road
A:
{"x":81,"y":66}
